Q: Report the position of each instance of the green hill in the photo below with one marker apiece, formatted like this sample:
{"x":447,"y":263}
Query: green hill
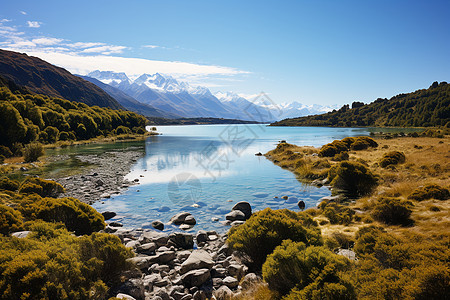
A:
{"x":422,"y":108}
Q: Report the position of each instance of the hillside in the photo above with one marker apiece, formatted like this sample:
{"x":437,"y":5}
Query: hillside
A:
{"x":422,"y":108}
{"x":129,"y":102}
{"x":40,"y":77}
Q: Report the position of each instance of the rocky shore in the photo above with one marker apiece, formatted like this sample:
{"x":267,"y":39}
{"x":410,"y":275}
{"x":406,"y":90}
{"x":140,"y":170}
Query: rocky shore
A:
{"x":183,"y":266}
{"x":104,"y":178}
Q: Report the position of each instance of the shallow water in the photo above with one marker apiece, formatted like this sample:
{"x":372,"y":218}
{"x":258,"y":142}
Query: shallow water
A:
{"x":206,"y":169}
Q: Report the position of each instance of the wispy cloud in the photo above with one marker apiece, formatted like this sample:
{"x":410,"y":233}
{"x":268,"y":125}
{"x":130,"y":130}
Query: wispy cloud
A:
{"x":34,"y":24}
{"x":152,"y":46}
{"x":106,"y":50}
{"x":47,"y":41}
{"x":23,"y":12}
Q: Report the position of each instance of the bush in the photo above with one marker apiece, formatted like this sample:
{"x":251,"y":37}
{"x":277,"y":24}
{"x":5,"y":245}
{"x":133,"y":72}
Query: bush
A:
{"x":333,"y":148}
{"x":5,"y":151}
{"x":431,"y":191}
{"x":392,"y":158}
{"x":266,"y":229}
{"x":293,"y":265}
{"x":392,"y":211}
{"x":123,"y":130}
{"x":8,"y":184}
{"x":64,"y":136}
{"x":78,"y":217}
{"x":10,"y":220}
{"x":341,"y":156}
{"x":337,"y":213}
{"x":50,"y":188}
{"x":33,"y":151}
{"x":353,"y":178}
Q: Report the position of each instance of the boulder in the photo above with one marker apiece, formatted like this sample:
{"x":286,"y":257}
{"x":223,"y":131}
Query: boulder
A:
{"x":301,"y":204}
{"x":190,"y":220}
{"x":21,"y":234}
{"x":162,"y":257}
{"x":133,"y":287}
{"x":200,"y":295}
{"x":151,"y":236}
{"x":195,"y":277}
{"x":181,"y":240}
{"x":201,"y":236}
{"x":199,"y":259}
{"x":179,"y":218}
{"x":244,"y":207}
{"x":108,"y":214}
{"x":158,"y":225}
{"x":146,"y":248}
{"x":124,"y":296}
{"x":223,"y":293}
{"x":236,"y":270}
{"x":250,"y":280}
{"x":141,"y":262}
{"x":230,"y":282}
{"x":115,"y":224}
{"x":235,"y":215}
{"x":185,"y":227}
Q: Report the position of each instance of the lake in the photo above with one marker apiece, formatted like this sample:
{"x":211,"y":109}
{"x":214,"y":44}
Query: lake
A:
{"x":206,"y":169}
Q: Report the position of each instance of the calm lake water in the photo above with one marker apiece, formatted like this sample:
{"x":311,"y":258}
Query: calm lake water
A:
{"x":206,"y":169}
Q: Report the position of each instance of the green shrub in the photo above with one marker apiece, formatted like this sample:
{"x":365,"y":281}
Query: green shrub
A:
{"x":32,"y":152}
{"x":78,"y":217}
{"x":10,"y":220}
{"x":341,"y":156}
{"x":337,"y":213}
{"x":5,"y":151}
{"x":50,"y":188}
{"x":353,"y":178}
{"x":392,"y":158}
{"x":8,"y":184}
{"x":266,"y":229}
{"x":293,"y":265}
{"x":123,"y":130}
{"x":392,"y":211}
{"x":431,"y":191}
{"x":64,"y":136}
{"x":333,"y":148}
{"x":349,"y":141}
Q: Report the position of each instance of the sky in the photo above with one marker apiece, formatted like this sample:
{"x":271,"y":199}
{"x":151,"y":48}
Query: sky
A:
{"x":313,"y":52}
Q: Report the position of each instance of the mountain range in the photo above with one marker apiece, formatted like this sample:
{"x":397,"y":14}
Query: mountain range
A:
{"x":165,"y":93}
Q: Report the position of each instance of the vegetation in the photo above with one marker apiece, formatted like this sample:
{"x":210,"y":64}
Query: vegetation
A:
{"x":392,"y":158}
{"x":392,"y":211}
{"x":28,"y":118}
{"x":430,"y":191}
{"x":337,"y":147}
{"x":353,"y":178}
{"x":422,"y":108}
{"x":267,"y":229}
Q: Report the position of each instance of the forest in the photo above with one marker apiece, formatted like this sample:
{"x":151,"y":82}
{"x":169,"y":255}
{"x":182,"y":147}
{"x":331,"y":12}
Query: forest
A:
{"x":423,"y":108}
{"x":26,"y":118}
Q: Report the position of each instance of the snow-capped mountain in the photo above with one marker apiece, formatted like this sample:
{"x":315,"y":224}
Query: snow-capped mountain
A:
{"x":180,"y":98}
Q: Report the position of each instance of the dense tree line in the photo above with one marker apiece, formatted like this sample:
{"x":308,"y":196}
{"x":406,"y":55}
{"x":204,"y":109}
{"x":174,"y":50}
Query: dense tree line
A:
{"x":26,"y":117}
{"x":422,"y":108}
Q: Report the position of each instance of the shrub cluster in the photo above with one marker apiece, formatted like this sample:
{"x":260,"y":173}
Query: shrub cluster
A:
{"x":392,"y":211}
{"x":392,"y":158}
{"x":32,"y":152}
{"x":42,"y":187}
{"x":353,"y":178}
{"x":431,"y":191}
{"x":349,"y":143}
{"x":307,"y":272}
{"x":10,"y":220}
{"x":266,"y":229}
{"x":337,"y":213}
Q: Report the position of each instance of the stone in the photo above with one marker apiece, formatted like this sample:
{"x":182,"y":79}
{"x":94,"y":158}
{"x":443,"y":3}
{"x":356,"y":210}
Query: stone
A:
{"x":115,"y":224}
{"x":133,"y":287}
{"x":124,"y":296}
{"x":237,"y":223}
{"x":185,"y":227}
{"x":179,"y":218}
{"x":230,"y":282}
{"x":284,"y":197}
{"x":21,"y":234}
{"x":215,"y":219}
{"x":199,"y":295}
{"x":235,"y":215}
{"x":181,"y":240}
{"x":187,"y":297}
{"x":162,"y":257}
{"x":146,"y":248}
{"x":223,"y":293}
{"x":105,"y":195}
{"x":190,"y":220}
{"x":218,"y":272}
{"x":99,"y":182}
{"x":108,"y":214}
{"x":159,"y":238}
{"x":201,"y":236}
{"x":244,"y":207}
{"x":183,"y":255}
{"x":301,"y":204}
{"x":158,"y":225}
{"x":199,"y":259}
{"x":196,"y":277}
{"x":236,"y":270}
{"x":132,"y":244}
{"x":250,"y":280}
{"x":141,"y":262}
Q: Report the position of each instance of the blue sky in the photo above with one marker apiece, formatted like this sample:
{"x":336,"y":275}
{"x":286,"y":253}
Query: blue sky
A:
{"x":314,"y":52}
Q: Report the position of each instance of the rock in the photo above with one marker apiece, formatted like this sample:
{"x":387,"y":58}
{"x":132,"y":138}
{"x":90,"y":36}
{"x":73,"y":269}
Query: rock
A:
{"x":108,"y":214}
{"x":132,"y":244}
{"x":350,"y":254}
{"x":223,"y":293}
{"x":185,"y":227}
{"x":115,"y":224}
{"x":330,"y":198}
{"x":124,"y":296}
{"x":218,"y":272}
{"x":217,"y":281}
{"x":179,"y":218}
{"x":250,"y":280}
{"x":230,"y":282}
{"x":140,"y":262}
{"x":244,"y":207}
{"x":109,"y":229}
{"x":215,"y":219}
{"x":158,"y":225}
{"x":181,"y":240}
{"x":187,"y":297}
{"x":195,"y":277}
{"x":99,"y":182}
{"x":301,"y":204}
{"x":237,"y":223}
{"x":162,"y":257}
{"x":235,"y":215}
{"x":105,"y":195}
{"x":258,"y":154}
{"x":183,"y":255}
{"x":162,"y":294}
{"x":159,"y":238}
{"x":201,"y":237}
{"x":147,"y":248}
{"x":190,"y":220}
{"x":284,"y":197}
{"x":199,"y":259}
{"x":133,"y":287}
{"x":236,"y":270}
{"x":200,"y":295}
{"x":21,"y":234}
{"x":23,"y":169}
